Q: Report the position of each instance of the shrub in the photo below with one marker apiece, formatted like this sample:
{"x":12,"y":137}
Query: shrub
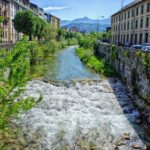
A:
{"x":14,"y":72}
{"x":95,"y":63}
{"x":114,"y":52}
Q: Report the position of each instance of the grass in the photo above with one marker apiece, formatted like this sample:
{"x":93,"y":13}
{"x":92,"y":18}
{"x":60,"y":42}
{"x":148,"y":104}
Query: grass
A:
{"x":95,"y":63}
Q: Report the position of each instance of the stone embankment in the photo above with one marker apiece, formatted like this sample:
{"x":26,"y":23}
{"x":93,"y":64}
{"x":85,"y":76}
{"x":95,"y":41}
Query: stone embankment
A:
{"x":7,"y":46}
{"x":133,"y":66}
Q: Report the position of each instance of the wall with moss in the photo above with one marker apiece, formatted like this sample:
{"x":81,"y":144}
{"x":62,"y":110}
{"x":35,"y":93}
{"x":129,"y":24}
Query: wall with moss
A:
{"x":132,"y":65}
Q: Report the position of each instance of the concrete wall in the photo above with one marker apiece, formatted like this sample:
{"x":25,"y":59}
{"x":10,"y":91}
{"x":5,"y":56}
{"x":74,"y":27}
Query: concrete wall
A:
{"x":132,"y":65}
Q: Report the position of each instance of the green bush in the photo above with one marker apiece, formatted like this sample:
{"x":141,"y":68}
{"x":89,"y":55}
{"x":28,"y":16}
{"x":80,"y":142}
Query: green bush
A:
{"x":114,"y":52}
{"x":95,"y":63}
{"x":14,"y":72}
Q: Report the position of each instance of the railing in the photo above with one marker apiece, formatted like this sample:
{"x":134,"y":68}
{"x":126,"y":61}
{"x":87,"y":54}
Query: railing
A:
{"x":7,"y":46}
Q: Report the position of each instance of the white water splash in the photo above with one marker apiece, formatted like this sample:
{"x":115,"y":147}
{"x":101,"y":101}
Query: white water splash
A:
{"x":88,"y":111}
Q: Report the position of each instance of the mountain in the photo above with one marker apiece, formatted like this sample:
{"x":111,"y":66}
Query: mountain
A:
{"x":86,"y":20}
{"x":86,"y":24}
{"x":65,"y":22}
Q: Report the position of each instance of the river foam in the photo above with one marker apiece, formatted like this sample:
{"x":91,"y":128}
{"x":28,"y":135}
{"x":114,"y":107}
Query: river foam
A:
{"x":81,"y":115}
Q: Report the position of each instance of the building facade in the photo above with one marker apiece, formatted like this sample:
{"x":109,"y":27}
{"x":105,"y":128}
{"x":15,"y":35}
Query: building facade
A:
{"x":16,"y":6}
{"x":132,"y":23}
{"x":8,"y":10}
{"x":5,"y":24}
{"x":52,"y":20}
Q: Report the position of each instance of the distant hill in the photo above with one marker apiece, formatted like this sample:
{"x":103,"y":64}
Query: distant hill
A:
{"x":86,"y":24}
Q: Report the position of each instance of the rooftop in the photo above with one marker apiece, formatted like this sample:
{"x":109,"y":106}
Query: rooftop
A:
{"x":135,"y":2}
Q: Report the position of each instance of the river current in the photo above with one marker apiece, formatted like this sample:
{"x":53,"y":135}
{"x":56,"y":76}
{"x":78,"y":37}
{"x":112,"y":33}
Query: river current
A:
{"x":80,"y":111}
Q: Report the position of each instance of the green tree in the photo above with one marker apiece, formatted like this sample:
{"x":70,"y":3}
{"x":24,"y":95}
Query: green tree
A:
{"x":50,"y":32}
{"x":39,"y":27}
{"x":25,"y":22}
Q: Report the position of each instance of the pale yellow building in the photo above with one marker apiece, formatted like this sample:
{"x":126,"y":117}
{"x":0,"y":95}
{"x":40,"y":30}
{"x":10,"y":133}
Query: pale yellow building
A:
{"x":132,"y":23}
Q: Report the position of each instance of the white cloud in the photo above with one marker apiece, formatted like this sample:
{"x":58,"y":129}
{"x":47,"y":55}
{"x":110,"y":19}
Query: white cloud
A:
{"x":54,"y":8}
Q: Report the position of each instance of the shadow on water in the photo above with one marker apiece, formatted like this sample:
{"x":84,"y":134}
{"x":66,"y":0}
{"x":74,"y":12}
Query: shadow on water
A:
{"x":126,"y":99}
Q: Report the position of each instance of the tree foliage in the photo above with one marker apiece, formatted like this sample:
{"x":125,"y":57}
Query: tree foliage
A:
{"x":39,"y":27}
{"x":24,"y":22}
{"x":14,"y":72}
{"x":88,"y":41}
{"x":50,"y":32}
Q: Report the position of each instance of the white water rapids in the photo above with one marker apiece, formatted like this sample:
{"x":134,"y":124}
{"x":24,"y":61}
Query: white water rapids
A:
{"x":79,"y":116}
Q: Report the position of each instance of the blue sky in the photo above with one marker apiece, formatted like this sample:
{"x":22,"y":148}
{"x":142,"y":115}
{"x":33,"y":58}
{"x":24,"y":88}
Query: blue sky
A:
{"x":72,"y":9}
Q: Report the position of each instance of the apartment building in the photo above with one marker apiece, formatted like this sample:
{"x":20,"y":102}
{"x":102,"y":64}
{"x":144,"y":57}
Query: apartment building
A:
{"x":52,"y":19}
{"x":16,"y":6}
{"x":132,"y":23}
{"x":8,"y":10}
{"x":5,"y":25}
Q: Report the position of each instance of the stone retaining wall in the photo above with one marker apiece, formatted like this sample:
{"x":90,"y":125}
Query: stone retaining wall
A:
{"x":7,"y":46}
{"x":133,"y":66}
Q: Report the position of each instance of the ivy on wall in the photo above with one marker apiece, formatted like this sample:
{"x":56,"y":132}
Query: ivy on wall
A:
{"x":114,"y":52}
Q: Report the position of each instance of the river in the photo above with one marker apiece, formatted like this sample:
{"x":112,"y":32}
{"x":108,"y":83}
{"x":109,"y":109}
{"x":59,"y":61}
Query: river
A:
{"x":79,"y":110}
{"x":64,"y":66}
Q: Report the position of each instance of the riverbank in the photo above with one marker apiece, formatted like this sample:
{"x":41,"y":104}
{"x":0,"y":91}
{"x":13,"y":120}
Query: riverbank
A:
{"x":66,"y":65}
{"x":95,"y":63}
{"x":82,"y":115}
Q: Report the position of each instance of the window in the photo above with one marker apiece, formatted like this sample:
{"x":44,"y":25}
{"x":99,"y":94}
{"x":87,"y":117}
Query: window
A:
{"x":142,"y":9}
{"x":132,"y":12}
{"x":136,"y":24}
{"x":137,"y":11}
{"x":124,"y":26}
{"x":128,"y":26}
{"x":128,"y":14}
{"x":141,"y":23}
{"x":127,"y":37}
{"x":146,"y":37}
{"x":124,"y":38}
{"x":132,"y":24}
{"x":119,"y":18}
{"x":148,"y":7}
{"x":125,"y":16}
{"x":131,"y":38}
{"x":120,"y":38}
{"x":147,"y":22}
{"x":141,"y":37}
{"x":135,"y":40}
{"x":121,"y":26}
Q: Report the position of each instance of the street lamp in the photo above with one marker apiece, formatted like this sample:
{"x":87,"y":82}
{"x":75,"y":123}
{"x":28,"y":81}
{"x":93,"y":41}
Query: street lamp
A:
{"x":122,"y":3}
